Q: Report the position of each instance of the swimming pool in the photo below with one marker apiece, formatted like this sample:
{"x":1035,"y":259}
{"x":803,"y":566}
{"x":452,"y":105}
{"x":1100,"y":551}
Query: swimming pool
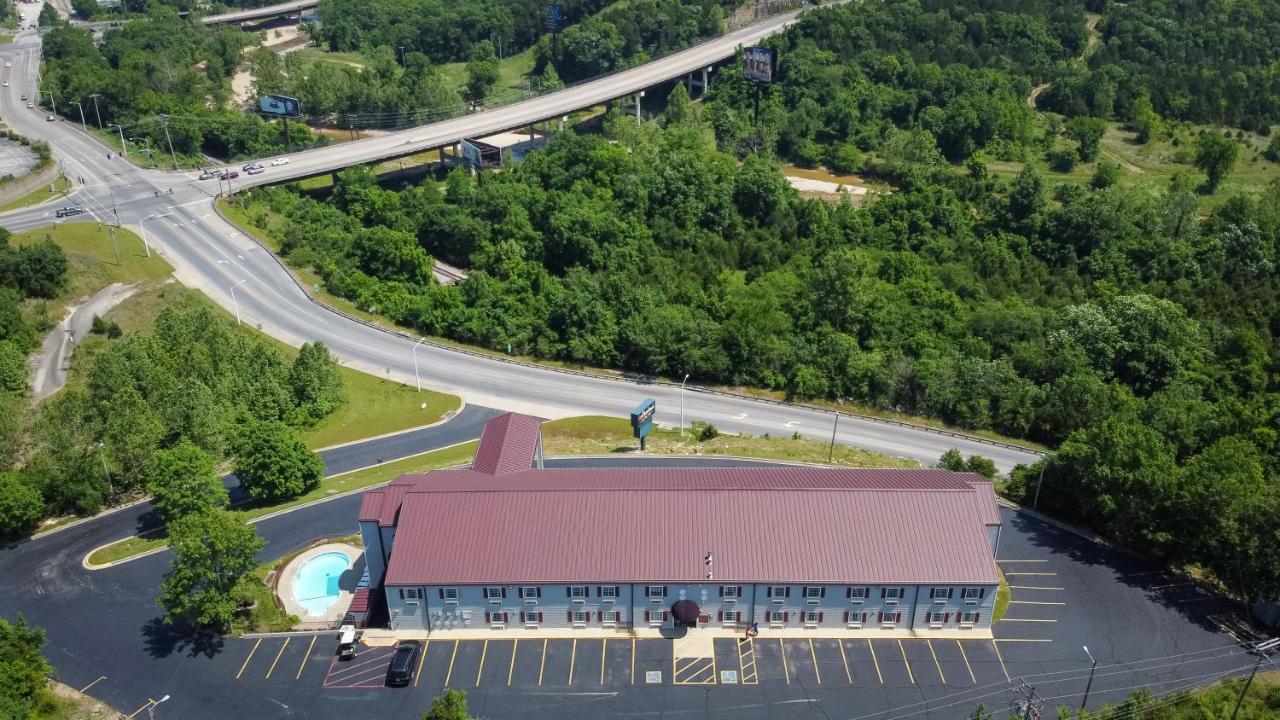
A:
{"x":315,"y":586}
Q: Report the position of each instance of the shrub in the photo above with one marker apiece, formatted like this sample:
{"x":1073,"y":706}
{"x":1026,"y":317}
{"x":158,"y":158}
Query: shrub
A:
{"x":704,"y":431}
{"x":1063,"y":161}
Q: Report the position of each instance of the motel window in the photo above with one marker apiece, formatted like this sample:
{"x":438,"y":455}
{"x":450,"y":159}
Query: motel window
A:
{"x":939,"y":593}
{"x":968,"y":618}
{"x":531,"y":618}
{"x":813,"y":592}
{"x":891,"y":593}
{"x":608,"y":592}
{"x":448,"y":593}
{"x":778,"y":591}
{"x":609,"y":617}
{"x":812,"y":617}
{"x":494,"y":593}
{"x":655,"y":591}
{"x":937,"y":618}
{"x":855,"y":618}
{"x":579,"y":617}
{"x":529,"y":592}
{"x":730,"y":617}
{"x":410,"y":594}
{"x":890,"y":618}
{"x":655,"y":616}
{"x":856,"y":593}
{"x":577,"y":591}
{"x":730,"y":591}
{"x":496,"y":618}
{"x":971,"y":593}
{"x":777,"y":616}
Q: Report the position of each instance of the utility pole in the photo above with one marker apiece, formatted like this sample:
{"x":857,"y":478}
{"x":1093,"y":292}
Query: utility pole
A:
{"x":414,"y":352}
{"x":1263,"y":649}
{"x":83,"y":125}
{"x":96,"y":112}
{"x":831,"y":450}
{"x":112,"y":230}
{"x":164,"y":121}
{"x":51,"y":100}
{"x":682,"y":382}
{"x":1044,"y":463}
{"x":1088,"y":686}
{"x":123,"y":145}
{"x":1027,"y":705}
{"x":103,"y":454}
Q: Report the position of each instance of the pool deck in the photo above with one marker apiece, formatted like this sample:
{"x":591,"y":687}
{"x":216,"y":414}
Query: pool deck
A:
{"x":284,"y":588}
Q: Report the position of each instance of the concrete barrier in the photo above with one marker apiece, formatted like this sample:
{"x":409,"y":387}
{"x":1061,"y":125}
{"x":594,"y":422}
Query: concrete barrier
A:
{"x":19,"y":187}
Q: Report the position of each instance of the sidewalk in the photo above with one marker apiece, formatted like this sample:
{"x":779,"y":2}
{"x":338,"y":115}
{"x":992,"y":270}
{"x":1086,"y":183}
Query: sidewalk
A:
{"x":377,"y":637}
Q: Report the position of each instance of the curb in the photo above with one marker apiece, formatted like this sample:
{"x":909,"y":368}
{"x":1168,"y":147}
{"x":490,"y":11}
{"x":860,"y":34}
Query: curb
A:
{"x":462,"y":405}
{"x":596,"y":376}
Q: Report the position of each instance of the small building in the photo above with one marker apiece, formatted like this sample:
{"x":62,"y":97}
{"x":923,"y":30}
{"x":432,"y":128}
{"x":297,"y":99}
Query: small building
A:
{"x":508,"y":544}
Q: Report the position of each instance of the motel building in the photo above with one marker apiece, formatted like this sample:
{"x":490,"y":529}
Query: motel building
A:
{"x":506,"y":546}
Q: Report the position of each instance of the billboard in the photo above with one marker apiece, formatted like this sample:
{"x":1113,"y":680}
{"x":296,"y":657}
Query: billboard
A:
{"x":478,"y":155}
{"x":551,"y":16}
{"x":279,"y":105}
{"x":642,"y":419}
{"x":758,"y":64}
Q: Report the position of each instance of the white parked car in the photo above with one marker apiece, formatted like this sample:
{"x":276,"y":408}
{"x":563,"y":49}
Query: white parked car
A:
{"x":8,"y":64}
{"x":279,"y":161}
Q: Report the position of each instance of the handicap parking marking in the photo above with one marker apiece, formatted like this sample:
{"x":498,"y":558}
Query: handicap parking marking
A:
{"x":693,"y":660}
{"x":367,"y":670}
{"x":652,"y":656}
{"x":619,"y":663}
{"x":747,"y":672}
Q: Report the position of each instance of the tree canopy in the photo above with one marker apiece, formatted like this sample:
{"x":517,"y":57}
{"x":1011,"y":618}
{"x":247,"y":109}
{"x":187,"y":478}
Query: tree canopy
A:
{"x":212,"y":551}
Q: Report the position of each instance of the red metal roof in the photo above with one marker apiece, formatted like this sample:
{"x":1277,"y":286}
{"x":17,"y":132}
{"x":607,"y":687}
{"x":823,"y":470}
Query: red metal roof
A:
{"x":507,"y":444}
{"x":502,"y":522}
{"x":359,"y":601}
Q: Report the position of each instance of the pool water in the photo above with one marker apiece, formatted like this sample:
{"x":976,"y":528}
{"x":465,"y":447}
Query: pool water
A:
{"x":315,"y":586}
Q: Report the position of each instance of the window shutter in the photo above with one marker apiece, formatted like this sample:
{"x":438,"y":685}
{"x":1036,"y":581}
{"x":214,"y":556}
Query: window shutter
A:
{"x":981,"y":592}
{"x":539,"y":591}
{"x":846,"y":616}
{"x":769,"y":592}
{"x":882,"y":616}
{"x":664,"y":591}
{"x":786,"y":616}
{"x":720,"y":616}
{"x":946,"y":618}
{"x":819,"y":616}
{"x":721,"y":591}
{"x":882,"y":591}
{"x":504,"y":591}
{"x":788,"y":591}
{"x":441,"y":593}
{"x":646,"y":591}
{"x":848,"y":593}
{"x":539,"y":616}
{"x":616,"y":591}
{"x":598,"y":592}
{"x":822,"y":592}
{"x":570,"y":615}
{"x":902,"y":593}
{"x":976,"y":616}
{"x":950,"y":593}
{"x":568,"y":591}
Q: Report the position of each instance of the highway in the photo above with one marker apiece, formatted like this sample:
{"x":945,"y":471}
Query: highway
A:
{"x":211,"y":255}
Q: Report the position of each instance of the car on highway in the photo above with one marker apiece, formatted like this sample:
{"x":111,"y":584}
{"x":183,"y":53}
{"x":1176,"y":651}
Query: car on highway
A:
{"x":230,"y":174}
{"x":255,"y":170}
{"x":69,"y":211}
{"x":49,"y":118}
{"x":6,"y":83}
{"x":251,"y":166}
{"x":206,"y":174}
{"x":279,"y":161}
{"x":24,"y":98}
{"x":400,"y":671}
{"x":31,"y":105}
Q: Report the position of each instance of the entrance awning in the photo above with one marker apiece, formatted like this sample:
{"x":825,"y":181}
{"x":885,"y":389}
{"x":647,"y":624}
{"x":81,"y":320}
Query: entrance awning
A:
{"x":685,"y":611}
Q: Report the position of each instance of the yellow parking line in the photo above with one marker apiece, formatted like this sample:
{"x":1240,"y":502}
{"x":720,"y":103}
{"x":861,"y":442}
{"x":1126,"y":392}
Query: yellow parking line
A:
{"x":673,"y":660}
{"x":543,"y":665}
{"x":278,"y":654}
{"x":246,"y":660}
{"x":903,"y":650}
{"x":1034,"y":587}
{"x":845,"y":659}
{"x":421,"y":659}
{"x":303,"y":664}
{"x":95,"y":682}
{"x":965,"y":655}
{"x":935,"y":662}
{"x":785,"y":670}
{"x":604,"y":642}
{"x":484,"y":650}
{"x":999,"y":657}
{"x":449,"y":675}
{"x":573,"y":655}
{"x":511,"y":669}
{"x":1034,"y":602}
{"x":874,"y":660}
{"x":1009,"y":619}
{"x":814,"y":654}
{"x":633,"y":661}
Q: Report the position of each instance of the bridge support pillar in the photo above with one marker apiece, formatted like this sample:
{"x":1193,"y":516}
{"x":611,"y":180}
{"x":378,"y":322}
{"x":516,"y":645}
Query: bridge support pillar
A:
{"x":638,"y":96}
{"x":563,"y":120}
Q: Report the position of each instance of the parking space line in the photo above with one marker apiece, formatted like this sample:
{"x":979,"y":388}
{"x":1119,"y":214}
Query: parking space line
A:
{"x":484,"y":650}
{"x":633,"y":661}
{"x":604,"y":642}
{"x":845,"y":659}
{"x":573,"y":656}
{"x":511,"y":669}
{"x":543,"y":665}
{"x":935,"y":661}
{"x":278,"y":654}
{"x":95,"y":682}
{"x":1034,"y":587}
{"x":814,"y":654}
{"x":965,"y":655}
{"x":785,"y":671}
{"x":1034,"y":602}
{"x":874,"y":660}
{"x":910,"y":675}
{"x":1000,"y":657}
{"x":421,"y":659}
{"x":1044,"y":620}
{"x":247,"y":659}
{"x":303,"y":664}
{"x":449,"y":675}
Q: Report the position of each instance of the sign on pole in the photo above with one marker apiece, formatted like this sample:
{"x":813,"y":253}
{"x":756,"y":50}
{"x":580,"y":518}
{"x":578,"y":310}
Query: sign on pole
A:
{"x":758,"y":64}
{"x":551,"y":16}
{"x":642,"y":420}
{"x":279,"y":105}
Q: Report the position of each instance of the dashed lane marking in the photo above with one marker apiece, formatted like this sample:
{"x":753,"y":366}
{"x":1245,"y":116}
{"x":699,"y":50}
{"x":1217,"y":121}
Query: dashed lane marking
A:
{"x":247,"y":659}
{"x":277,"y":660}
{"x":1034,"y":602}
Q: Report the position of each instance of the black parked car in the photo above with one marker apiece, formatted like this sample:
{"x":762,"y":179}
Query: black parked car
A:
{"x":403,"y":664}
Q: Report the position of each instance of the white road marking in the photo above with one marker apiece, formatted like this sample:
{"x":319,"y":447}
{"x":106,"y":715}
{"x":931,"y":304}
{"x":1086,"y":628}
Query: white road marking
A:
{"x":740,"y":416}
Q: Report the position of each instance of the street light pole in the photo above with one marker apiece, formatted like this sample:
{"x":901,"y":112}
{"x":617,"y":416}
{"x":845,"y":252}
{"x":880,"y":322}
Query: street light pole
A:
{"x":164,"y":121}
{"x":682,"y":382}
{"x":417,"y":380}
{"x":1089,"y":685}
{"x":142,"y":224}
{"x":832,"y":449}
{"x":123,"y":145}
{"x":96,"y":112}
{"x":233,"y":298}
{"x":1044,"y":463}
{"x":103,"y":455}
{"x":83,"y":126}
{"x":151,"y":708}
{"x":51,"y":100}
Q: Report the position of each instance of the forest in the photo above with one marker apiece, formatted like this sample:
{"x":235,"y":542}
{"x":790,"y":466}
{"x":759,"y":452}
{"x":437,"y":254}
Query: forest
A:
{"x":1120,"y":326}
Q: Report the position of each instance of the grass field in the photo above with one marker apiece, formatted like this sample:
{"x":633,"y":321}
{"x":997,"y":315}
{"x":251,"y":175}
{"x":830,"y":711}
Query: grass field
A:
{"x":315,"y":54}
{"x":61,"y":185}
{"x":512,"y":71}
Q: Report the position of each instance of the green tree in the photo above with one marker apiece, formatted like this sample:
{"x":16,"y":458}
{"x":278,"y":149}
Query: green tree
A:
{"x":273,"y":464}
{"x":1105,"y":175}
{"x":21,"y":505}
{"x":184,"y":481}
{"x":449,"y":705}
{"x":1087,"y":132}
{"x":13,"y":368}
{"x":212,"y":551}
{"x":25,"y":671}
{"x":482,"y":72}
{"x":1215,"y":157}
{"x":679,"y":110}
{"x":42,"y":269}
{"x":316,"y":382}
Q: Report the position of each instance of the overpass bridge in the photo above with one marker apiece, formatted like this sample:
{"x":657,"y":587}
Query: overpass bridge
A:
{"x":552,"y":106}
{"x":235,"y":16}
